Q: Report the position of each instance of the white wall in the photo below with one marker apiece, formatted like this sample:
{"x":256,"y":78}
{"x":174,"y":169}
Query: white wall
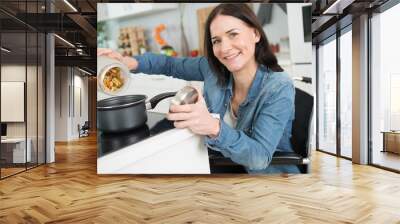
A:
{"x":14,"y":72}
{"x":61,"y":104}
{"x":66,"y":121}
{"x":80,"y":84}
{"x":300,"y":51}
{"x":278,"y":26}
{"x":313,"y":140}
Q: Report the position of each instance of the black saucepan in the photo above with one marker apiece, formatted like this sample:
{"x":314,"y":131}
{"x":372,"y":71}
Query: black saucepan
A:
{"x":123,"y":113}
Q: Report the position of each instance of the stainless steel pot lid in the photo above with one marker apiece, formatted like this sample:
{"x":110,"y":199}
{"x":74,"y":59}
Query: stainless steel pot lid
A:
{"x":119,"y":102}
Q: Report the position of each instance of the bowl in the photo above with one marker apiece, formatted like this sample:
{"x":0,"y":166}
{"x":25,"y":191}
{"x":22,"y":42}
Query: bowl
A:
{"x":114,"y":73}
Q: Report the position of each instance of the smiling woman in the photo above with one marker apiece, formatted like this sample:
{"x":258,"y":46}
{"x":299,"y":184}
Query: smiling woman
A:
{"x":243,"y":85}
{"x":243,"y":33}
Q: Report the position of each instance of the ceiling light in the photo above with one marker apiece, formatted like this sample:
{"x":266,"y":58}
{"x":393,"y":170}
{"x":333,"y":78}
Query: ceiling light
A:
{"x":84,"y":71}
{"x":5,"y":50}
{"x":70,"y":5}
{"x":337,"y":7}
{"x":64,"y":40}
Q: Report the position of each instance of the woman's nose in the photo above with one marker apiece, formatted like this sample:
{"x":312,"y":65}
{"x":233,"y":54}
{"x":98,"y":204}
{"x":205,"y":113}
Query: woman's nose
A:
{"x":226,"y":46}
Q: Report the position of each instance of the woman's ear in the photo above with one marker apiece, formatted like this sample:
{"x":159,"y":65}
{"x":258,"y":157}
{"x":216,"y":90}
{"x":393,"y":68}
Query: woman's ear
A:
{"x":256,"y":35}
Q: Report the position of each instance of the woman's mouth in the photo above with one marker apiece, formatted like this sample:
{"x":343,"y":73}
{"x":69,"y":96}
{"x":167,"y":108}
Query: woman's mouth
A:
{"x":232,"y":56}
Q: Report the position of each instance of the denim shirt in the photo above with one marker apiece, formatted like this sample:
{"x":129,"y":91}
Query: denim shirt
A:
{"x":264,"y":118}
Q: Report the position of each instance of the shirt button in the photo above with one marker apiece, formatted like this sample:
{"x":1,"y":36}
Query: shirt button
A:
{"x":226,"y":104}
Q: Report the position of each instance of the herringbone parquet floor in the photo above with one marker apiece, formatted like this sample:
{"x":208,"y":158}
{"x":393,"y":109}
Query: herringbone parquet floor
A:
{"x":70,"y":191}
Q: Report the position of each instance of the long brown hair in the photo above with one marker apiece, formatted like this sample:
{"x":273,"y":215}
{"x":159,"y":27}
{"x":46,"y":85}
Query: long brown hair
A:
{"x":263,"y":53}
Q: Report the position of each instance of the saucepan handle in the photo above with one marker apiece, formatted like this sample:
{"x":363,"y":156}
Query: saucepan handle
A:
{"x":156,"y":99}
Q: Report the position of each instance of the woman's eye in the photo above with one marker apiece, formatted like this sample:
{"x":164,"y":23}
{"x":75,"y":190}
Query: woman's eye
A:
{"x":215,"y":42}
{"x":233,"y":34}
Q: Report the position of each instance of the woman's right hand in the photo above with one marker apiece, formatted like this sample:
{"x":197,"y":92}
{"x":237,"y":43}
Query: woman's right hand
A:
{"x":130,"y":62}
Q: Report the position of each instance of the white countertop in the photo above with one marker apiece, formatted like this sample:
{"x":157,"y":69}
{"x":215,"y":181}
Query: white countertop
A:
{"x":177,"y":151}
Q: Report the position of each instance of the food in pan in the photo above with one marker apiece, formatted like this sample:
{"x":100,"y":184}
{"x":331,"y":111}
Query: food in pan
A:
{"x":113,"y":79}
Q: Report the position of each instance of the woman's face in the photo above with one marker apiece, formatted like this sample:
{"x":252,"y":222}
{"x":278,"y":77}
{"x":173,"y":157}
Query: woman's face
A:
{"x":233,"y":42}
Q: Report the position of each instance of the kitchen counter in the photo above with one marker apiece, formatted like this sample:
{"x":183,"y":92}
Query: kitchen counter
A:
{"x":156,"y":124}
{"x":156,"y":148}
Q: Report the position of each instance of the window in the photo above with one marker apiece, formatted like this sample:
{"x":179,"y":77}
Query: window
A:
{"x":346,"y":94}
{"x":385,"y":87}
{"x":327,"y":97}
{"x":22,"y":75}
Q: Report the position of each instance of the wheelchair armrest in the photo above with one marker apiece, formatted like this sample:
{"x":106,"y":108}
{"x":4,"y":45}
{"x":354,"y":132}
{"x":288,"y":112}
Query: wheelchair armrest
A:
{"x":279,"y":158}
{"x":288,"y":158}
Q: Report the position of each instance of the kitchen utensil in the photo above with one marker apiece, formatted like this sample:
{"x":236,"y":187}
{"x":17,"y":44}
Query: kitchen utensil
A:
{"x":123,"y":113}
{"x":186,"y":95}
{"x":104,"y":65}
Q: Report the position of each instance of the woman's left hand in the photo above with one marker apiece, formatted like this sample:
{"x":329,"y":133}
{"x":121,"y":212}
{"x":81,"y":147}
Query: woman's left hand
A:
{"x":195,"y":117}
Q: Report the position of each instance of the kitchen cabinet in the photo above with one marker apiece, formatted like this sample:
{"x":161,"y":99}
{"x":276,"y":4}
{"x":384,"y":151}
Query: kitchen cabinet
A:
{"x":202,"y":15}
{"x":391,"y":141}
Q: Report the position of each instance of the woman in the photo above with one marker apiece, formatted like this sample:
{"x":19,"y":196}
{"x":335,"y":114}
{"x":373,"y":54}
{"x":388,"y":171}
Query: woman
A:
{"x":243,"y":84}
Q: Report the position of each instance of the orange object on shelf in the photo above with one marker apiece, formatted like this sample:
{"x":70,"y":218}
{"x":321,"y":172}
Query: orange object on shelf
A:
{"x":157,"y":35}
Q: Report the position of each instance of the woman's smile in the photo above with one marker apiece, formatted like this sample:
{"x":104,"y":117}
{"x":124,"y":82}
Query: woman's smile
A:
{"x":231,"y":56}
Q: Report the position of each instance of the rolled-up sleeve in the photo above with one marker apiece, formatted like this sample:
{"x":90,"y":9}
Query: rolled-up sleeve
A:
{"x":191,"y":69}
{"x":255,"y":151}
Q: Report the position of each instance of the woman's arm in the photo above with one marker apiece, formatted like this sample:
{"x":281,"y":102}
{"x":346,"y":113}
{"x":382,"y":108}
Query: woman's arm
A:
{"x":191,"y":69}
{"x":256,"y":152}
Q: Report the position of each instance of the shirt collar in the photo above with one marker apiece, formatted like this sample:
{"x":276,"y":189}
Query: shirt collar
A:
{"x":257,"y":83}
{"x":261,"y":75}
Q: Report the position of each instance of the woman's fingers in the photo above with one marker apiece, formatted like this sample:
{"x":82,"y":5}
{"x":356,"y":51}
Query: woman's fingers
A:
{"x":115,"y":55}
{"x":178,"y":116}
{"x":200,"y":98}
{"x":180,"y":108}
{"x":103,"y":51}
{"x":182,"y":124}
{"x":109,"y":53}
{"x":130,"y":62}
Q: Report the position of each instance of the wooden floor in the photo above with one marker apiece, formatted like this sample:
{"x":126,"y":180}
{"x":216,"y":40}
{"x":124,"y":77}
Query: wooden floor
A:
{"x":10,"y":171}
{"x":387,"y":159}
{"x":70,"y":191}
